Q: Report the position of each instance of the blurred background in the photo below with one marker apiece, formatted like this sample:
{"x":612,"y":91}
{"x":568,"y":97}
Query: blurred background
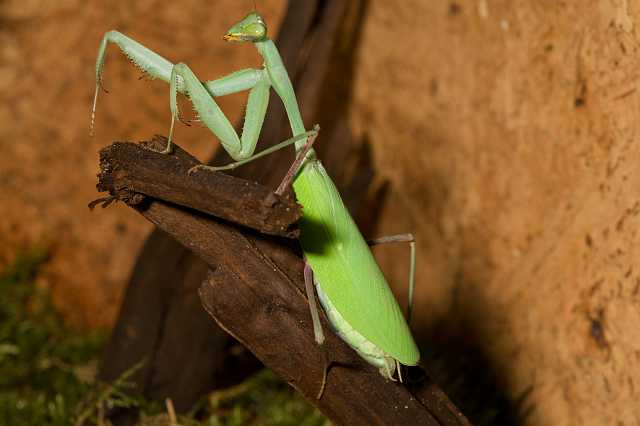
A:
{"x":504,"y":133}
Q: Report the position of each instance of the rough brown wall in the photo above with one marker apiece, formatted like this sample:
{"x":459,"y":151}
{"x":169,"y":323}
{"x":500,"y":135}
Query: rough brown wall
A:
{"x":49,"y":163}
{"x":508,"y":130}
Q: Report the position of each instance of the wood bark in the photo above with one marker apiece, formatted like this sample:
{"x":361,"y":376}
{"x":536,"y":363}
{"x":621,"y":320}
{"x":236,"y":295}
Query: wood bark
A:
{"x":130,"y":172}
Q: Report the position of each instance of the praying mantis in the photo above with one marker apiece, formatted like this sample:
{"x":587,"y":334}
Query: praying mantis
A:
{"x":339,"y":264}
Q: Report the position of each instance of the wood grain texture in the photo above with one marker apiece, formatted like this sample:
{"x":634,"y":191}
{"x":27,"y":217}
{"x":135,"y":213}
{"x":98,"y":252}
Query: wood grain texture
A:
{"x":131,"y":171}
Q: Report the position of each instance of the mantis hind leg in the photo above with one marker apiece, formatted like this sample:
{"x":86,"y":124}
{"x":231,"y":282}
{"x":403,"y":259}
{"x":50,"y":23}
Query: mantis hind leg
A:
{"x":403,"y":238}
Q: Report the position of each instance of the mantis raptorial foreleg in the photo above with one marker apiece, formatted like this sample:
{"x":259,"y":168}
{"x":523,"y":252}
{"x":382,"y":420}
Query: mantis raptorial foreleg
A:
{"x":403,"y":238}
{"x":183,"y":80}
{"x":155,"y":66}
{"x":212,"y":116}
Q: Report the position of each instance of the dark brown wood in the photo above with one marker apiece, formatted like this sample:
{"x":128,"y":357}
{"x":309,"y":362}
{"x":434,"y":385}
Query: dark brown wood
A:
{"x":255,"y":291}
{"x":128,"y":170}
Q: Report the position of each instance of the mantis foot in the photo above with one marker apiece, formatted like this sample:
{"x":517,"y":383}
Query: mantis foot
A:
{"x":194,"y":169}
{"x":325,"y":372}
{"x":169,"y":148}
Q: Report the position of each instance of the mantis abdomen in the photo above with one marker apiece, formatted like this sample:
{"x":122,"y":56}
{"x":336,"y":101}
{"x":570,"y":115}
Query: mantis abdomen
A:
{"x":345,"y":270}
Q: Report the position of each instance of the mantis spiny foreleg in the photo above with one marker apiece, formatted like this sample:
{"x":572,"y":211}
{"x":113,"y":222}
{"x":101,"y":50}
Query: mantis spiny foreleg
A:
{"x":201,"y":94}
{"x":155,"y":66}
{"x":212,"y":116}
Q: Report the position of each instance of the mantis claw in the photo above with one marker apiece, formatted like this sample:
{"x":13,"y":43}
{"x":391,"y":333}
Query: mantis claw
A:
{"x":101,"y":85}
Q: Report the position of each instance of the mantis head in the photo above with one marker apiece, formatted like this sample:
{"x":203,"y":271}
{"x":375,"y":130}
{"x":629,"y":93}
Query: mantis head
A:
{"x":251,"y":28}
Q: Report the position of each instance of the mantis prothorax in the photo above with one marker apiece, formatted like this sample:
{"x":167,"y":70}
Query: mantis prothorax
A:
{"x":350,"y":286}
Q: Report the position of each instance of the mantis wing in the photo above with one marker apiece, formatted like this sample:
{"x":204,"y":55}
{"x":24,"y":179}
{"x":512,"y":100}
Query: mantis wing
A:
{"x":345,"y":268}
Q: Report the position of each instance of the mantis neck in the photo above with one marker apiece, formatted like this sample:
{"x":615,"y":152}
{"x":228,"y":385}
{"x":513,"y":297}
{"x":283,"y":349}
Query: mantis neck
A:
{"x":282,"y":85}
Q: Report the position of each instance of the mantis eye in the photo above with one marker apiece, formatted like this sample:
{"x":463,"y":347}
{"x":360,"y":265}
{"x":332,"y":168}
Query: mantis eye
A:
{"x":256,"y":31}
{"x":251,"y":28}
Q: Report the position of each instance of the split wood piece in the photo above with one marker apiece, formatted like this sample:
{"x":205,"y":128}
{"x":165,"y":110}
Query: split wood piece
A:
{"x":255,"y":291}
{"x":128,"y":170}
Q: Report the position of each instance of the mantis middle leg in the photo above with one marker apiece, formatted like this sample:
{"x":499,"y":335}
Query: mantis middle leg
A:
{"x":318,"y":334}
{"x":313,"y":307}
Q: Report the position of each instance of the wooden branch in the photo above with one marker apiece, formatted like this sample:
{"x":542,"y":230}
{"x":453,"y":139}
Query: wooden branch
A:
{"x":130,"y":171}
{"x":255,"y":291}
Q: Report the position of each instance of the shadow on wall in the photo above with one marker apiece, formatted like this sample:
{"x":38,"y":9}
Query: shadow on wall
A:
{"x":454,"y":343}
{"x":453,"y":347}
{"x":457,"y":363}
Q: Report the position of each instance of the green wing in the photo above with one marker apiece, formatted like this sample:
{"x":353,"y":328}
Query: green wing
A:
{"x":346,"y":270}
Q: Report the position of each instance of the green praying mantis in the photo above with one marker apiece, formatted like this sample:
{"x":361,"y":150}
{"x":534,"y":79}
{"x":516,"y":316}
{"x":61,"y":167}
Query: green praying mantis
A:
{"x":350,"y":285}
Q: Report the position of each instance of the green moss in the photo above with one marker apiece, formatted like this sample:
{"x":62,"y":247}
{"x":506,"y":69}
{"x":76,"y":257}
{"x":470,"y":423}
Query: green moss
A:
{"x":45,"y":367}
{"x":47,"y":371}
{"x":262,"y":400}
